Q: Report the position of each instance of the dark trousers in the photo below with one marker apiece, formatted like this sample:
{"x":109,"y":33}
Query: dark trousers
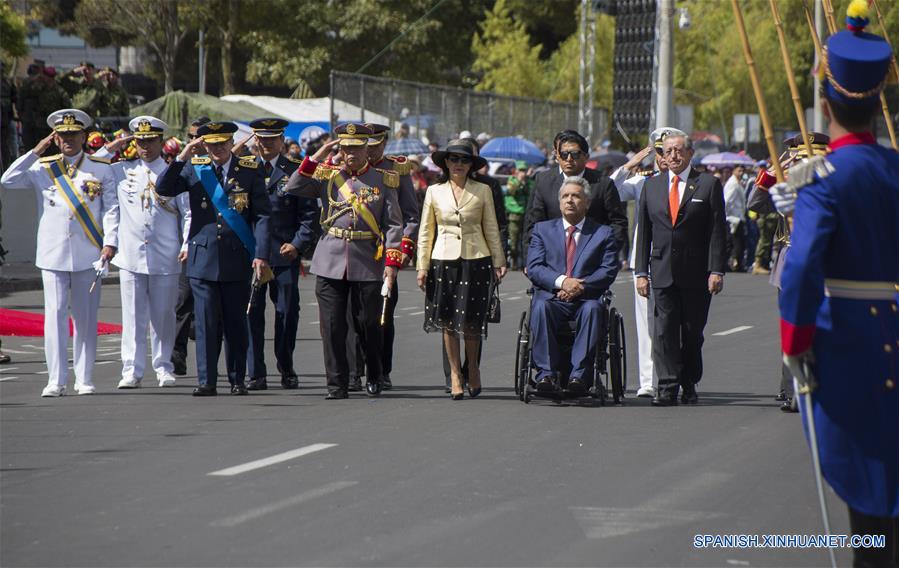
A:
{"x":220,"y":308}
{"x":548,"y":316}
{"x":285,"y":295}
{"x":389,"y":330}
{"x":680,"y":315}
{"x":355,"y":355}
{"x":364,"y":301}
{"x":888,"y":556}
{"x":354,"y":352}
{"x":184,"y":316}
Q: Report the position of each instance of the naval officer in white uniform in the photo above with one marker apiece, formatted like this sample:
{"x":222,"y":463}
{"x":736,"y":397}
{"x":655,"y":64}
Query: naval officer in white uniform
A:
{"x":151,"y":230}
{"x":78,"y":214}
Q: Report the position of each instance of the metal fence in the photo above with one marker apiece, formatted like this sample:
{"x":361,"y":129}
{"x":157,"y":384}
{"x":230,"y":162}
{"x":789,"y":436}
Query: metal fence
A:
{"x":439,"y":113}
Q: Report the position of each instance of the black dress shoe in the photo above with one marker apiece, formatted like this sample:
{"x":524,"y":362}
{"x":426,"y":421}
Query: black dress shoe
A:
{"x":577,"y":386}
{"x":547,"y":384}
{"x":336,"y":394}
{"x":239,"y":388}
{"x":664,"y":400}
{"x":789,"y":406}
{"x":180,"y":365}
{"x":473,"y":393}
{"x":290,"y":382}
{"x":781,"y":396}
{"x":373,"y":389}
{"x":257,"y":384}
{"x":385,"y":383}
{"x":689,"y":396}
{"x":355,"y":384}
{"x":205,"y":390}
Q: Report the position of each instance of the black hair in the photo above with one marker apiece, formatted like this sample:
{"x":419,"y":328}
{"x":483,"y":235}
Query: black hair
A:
{"x":571,"y":136}
{"x":200,"y":121}
{"x":855,"y":118}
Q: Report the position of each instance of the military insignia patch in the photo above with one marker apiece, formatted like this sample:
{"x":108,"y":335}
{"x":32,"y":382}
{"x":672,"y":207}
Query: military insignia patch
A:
{"x":239,"y":201}
{"x":143,"y":126}
{"x":351,"y":128}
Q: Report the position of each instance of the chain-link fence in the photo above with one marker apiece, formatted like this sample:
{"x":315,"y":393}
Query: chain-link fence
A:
{"x":438,"y":113}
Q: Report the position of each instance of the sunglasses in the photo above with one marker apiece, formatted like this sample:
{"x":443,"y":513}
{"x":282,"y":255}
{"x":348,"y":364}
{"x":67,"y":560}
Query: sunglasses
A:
{"x":458,"y":159}
{"x":575,"y":155}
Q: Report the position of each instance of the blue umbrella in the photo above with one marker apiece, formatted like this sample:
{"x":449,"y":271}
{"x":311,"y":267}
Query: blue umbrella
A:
{"x":727,"y":159}
{"x":514,"y":149}
{"x":405,"y":146}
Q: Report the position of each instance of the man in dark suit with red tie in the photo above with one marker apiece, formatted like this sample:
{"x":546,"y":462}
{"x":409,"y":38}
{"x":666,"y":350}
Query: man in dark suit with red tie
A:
{"x":682,"y":255}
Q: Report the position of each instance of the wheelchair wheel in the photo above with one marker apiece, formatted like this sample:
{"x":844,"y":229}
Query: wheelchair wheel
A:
{"x":522,"y":356}
{"x":615,"y":356}
{"x":623,"y":343}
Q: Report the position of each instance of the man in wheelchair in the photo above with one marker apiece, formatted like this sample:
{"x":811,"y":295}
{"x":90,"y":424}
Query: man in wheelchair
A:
{"x":571,"y":262}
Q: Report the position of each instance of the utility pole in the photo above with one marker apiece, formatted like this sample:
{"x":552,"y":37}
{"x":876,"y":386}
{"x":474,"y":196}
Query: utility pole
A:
{"x":587,"y":69}
{"x":665,"y":79}
{"x":202,"y":64}
{"x":582,"y":68}
{"x":818,"y":122}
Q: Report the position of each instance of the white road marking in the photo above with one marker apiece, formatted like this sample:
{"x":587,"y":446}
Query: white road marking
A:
{"x":606,"y":522}
{"x":17,"y":352}
{"x":103,"y":362}
{"x":734,"y":330}
{"x":406,"y":309}
{"x":258,"y":512}
{"x":34,"y":346}
{"x":316,"y":322}
{"x":7,"y":379}
{"x":416,"y":313}
{"x":513,"y":298}
{"x":272,"y":460}
{"x":7,"y":369}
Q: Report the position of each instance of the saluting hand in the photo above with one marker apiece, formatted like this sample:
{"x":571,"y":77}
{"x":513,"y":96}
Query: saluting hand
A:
{"x":188,"y":150}
{"x":44,"y":144}
{"x":637,"y":159}
{"x":118,"y":144}
{"x":323,"y":152}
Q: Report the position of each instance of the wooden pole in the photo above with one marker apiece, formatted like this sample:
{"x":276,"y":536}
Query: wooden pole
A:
{"x":810,"y":18}
{"x":828,"y":17}
{"x":757,"y":89}
{"x":791,"y":77}
{"x":883,"y":31}
{"x":883,"y":99}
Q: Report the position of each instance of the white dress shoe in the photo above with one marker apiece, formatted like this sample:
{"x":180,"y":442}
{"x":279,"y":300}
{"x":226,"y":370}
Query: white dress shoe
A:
{"x":85,"y":389}
{"x":54,"y":390}
{"x":646,"y":392}
{"x":129,"y":383}
{"x":165,"y":379}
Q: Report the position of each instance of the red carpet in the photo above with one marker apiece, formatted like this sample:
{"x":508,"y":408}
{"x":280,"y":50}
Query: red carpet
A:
{"x":14,"y":322}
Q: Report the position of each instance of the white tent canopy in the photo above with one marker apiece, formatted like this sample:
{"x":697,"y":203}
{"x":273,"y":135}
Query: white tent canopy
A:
{"x":308,"y":110}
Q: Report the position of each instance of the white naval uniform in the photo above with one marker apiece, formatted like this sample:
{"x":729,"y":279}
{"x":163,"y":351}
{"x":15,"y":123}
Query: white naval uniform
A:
{"x":150,"y":238}
{"x":630,"y":189}
{"x":65,"y":256}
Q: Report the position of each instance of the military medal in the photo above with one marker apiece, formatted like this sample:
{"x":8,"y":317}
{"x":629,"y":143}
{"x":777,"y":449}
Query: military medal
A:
{"x":239,"y":201}
{"x":91,"y":188}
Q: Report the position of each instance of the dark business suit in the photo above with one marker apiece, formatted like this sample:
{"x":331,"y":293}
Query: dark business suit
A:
{"x":595,"y":261}
{"x":679,"y":259}
{"x":218,"y":265}
{"x":605,"y":205}
{"x":293,"y":220}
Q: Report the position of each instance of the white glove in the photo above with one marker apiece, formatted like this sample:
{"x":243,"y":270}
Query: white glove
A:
{"x":385,"y":289}
{"x":102,"y":267}
{"x":800,"y":368}
{"x":784,"y":198}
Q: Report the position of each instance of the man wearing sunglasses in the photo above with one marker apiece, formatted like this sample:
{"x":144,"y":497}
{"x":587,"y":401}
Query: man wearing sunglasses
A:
{"x":572,"y":153}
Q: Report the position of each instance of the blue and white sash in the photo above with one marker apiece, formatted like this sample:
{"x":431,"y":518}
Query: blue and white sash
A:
{"x":220,"y":201}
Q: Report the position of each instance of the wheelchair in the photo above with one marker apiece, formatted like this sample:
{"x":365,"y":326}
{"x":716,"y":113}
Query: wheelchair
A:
{"x":609,"y":367}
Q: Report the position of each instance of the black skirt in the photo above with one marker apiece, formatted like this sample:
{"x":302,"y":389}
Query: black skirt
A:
{"x":457,"y":295}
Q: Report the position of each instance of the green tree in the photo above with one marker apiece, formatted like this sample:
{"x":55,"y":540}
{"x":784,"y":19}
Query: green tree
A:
{"x":12,"y":30}
{"x":564,"y":64}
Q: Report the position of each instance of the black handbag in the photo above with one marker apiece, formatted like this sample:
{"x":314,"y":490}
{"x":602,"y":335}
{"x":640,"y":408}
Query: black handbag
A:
{"x":493,"y":310}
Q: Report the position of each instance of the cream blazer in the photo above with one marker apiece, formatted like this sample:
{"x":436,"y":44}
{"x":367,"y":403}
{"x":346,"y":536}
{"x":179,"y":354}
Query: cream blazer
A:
{"x":466,"y":229}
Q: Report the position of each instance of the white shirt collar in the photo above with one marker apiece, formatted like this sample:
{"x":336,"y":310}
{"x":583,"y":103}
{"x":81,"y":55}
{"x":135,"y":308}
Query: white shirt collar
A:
{"x":226,"y":168}
{"x":155,"y":165}
{"x":580,"y":226}
{"x":69,"y":160}
{"x":274,"y":162}
{"x":681,"y":176}
{"x":566,"y":176}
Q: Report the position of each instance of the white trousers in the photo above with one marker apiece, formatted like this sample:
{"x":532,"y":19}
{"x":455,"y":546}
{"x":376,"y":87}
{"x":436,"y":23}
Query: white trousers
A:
{"x":644,"y":340}
{"x":65,"y":292}
{"x":147,"y":300}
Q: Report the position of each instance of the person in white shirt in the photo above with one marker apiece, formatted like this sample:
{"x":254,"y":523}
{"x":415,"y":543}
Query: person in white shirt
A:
{"x":78,"y":213}
{"x":735,"y":212}
{"x":151,"y":249}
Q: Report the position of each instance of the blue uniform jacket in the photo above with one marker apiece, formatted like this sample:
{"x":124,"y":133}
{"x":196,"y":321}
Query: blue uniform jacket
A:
{"x":214,"y":250}
{"x":293,"y":219}
{"x":846,"y":227}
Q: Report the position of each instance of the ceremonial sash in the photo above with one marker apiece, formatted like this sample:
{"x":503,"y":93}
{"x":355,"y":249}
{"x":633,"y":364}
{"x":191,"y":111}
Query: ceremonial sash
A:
{"x":216,"y":194}
{"x":362,"y":210}
{"x":74,"y":199}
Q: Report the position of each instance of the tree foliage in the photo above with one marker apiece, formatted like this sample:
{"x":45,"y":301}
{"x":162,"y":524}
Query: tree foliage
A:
{"x":12,"y":30}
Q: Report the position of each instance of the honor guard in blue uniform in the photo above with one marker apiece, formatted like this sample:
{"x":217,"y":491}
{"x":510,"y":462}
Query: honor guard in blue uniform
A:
{"x":78,"y":225}
{"x":294,"y":229}
{"x":838,"y":302}
{"x":359,"y":253}
{"x":228,"y":240}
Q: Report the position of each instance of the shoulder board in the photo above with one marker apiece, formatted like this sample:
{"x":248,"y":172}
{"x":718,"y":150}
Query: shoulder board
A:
{"x":401,"y":165}
{"x":294,"y":160}
{"x":106,"y":161}
{"x":391,"y":178}
{"x":803,"y":173}
{"x":50,"y":159}
{"x":200,"y":160}
{"x":324,"y":172}
{"x":248,"y":162}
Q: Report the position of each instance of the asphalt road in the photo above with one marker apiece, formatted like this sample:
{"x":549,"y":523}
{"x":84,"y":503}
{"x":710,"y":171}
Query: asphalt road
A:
{"x":155,"y":477}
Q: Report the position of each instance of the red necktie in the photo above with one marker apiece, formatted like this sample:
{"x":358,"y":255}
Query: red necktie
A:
{"x":673,"y":199}
{"x":570,"y":248}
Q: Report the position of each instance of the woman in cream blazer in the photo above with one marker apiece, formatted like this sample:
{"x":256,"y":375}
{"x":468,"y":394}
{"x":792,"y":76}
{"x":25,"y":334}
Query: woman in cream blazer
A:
{"x":459,"y":256}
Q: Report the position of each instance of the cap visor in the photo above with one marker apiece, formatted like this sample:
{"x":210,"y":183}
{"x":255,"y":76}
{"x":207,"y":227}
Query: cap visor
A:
{"x":216,"y":138}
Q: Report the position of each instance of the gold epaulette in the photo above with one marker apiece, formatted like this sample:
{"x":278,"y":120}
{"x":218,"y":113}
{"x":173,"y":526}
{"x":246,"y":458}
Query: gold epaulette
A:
{"x":324,"y":172}
{"x":401,"y":165}
{"x":803,"y":173}
{"x":200,"y":160}
{"x":248,"y":162}
{"x":99,"y":160}
{"x":294,"y":160}
{"x":50,"y":159}
{"x":391,"y":178}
